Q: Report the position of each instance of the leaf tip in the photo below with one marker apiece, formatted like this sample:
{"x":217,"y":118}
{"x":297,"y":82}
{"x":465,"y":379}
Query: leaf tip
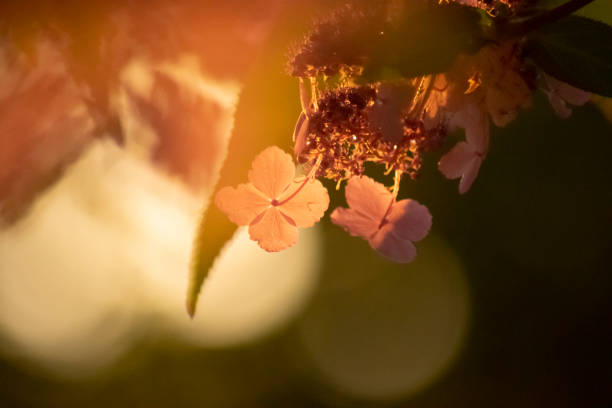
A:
{"x":191,"y":307}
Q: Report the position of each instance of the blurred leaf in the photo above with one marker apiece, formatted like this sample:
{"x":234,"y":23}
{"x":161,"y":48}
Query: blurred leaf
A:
{"x":576,"y":50}
{"x":180,"y":116}
{"x":266,"y":114}
{"x":426,"y":41}
{"x":597,"y":10}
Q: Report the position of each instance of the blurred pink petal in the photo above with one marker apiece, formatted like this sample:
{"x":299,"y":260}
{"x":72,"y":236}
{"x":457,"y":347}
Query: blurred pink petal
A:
{"x":559,"y":105}
{"x":273,"y":231}
{"x":464,"y":160}
{"x":241,"y":204}
{"x":475,"y":121}
{"x":569,"y":93}
{"x":308,"y":205}
{"x":388,"y":243}
{"x":506,"y":97}
{"x":560,"y":95}
{"x":272,"y":171}
{"x":573,"y":95}
{"x":470,"y":175}
{"x":461,"y":161}
{"x":390,"y":227}
{"x":454,"y":163}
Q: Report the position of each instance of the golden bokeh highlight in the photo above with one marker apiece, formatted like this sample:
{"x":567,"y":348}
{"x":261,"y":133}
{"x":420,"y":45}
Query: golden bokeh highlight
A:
{"x":394,"y":334}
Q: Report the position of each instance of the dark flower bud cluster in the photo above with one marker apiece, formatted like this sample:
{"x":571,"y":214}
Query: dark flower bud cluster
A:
{"x":340,"y":43}
{"x":343,"y":132}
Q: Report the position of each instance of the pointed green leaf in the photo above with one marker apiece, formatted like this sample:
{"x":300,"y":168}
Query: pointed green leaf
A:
{"x":266,"y":113}
{"x":575,"y":50}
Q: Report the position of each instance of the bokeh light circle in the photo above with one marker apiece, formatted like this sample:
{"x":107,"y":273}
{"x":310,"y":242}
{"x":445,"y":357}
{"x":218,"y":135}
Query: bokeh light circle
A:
{"x":395,"y":333}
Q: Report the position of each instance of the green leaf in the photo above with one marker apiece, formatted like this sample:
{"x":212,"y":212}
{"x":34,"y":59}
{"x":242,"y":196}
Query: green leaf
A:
{"x":266,"y":113}
{"x":213,"y":233}
{"x":575,"y":50}
{"x":426,"y":41}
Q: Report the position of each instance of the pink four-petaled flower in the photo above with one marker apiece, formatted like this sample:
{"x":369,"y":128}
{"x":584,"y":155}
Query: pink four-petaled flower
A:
{"x":274,"y":204}
{"x":389,"y":226}
{"x":465,"y":158}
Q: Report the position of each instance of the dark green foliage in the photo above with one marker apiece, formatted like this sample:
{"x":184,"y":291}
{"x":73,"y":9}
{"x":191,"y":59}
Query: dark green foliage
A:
{"x":576,"y":50}
{"x":426,"y":42}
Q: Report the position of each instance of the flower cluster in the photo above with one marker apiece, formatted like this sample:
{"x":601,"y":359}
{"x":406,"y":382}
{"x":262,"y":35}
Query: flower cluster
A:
{"x":344,"y":125}
{"x":275,"y":203}
{"x":350,"y":126}
{"x":339,"y":43}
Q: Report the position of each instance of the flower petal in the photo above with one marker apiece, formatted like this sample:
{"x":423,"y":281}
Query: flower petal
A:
{"x":455,"y":163}
{"x":273,"y":231}
{"x":559,"y":105}
{"x":506,"y":96}
{"x":573,"y":95}
{"x":307,"y":206}
{"x":390,"y":245}
{"x":410,"y":220}
{"x":470,"y":175}
{"x":354,"y":222}
{"x":241,"y":204}
{"x":475,"y":121}
{"x":368,"y":197}
{"x":272,"y":171}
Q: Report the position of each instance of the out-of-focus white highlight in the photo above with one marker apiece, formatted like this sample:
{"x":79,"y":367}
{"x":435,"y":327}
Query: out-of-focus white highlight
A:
{"x":250,"y":292}
{"x":110,"y":244}
{"x":104,"y":254}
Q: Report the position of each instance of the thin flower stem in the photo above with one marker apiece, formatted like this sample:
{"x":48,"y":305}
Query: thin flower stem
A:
{"x":303,"y":97}
{"x":417,"y":94}
{"x":309,"y":177}
{"x":396,"y":182}
{"x":313,"y":93}
{"x":423,"y":91}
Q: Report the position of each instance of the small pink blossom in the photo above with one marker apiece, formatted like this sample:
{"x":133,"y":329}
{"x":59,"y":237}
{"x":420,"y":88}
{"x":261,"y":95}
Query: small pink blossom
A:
{"x":506,"y":96}
{"x":274,"y":204}
{"x":465,"y":158}
{"x":560,"y":95}
{"x":390,"y":226}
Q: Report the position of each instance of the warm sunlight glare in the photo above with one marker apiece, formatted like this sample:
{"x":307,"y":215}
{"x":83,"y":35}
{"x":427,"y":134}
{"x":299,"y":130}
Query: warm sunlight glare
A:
{"x":108,"y":247}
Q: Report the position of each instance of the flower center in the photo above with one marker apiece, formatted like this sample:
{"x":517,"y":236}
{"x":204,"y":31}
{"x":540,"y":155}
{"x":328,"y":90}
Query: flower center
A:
{"x":274,"y":202}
